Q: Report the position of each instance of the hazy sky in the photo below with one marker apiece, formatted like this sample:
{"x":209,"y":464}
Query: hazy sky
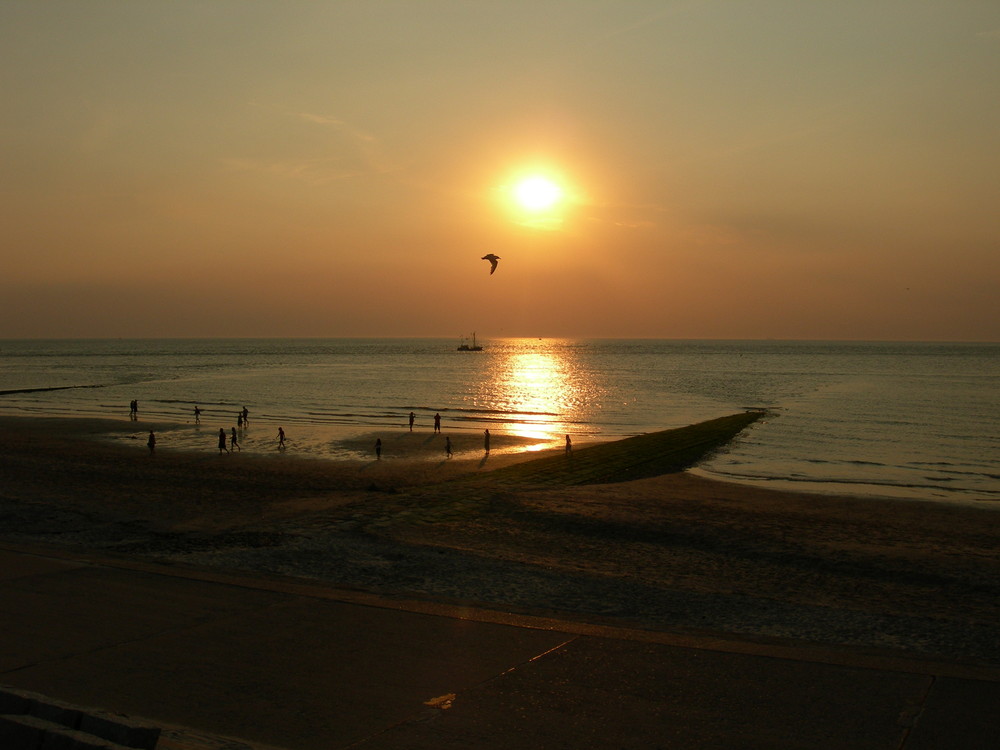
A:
{"x":737,"y":169}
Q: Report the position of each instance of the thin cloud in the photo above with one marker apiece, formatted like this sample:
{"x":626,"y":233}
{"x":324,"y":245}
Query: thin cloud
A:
{"x":353,"y":153}
{"x":339,"y":124}
{"x":624,"y":216}
{"x":314,"y":172}
{"x":367,"y":147}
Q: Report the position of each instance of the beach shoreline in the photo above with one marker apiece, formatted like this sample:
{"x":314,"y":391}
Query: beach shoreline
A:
{"x":348,"y":442}
{"x":671,"y":552}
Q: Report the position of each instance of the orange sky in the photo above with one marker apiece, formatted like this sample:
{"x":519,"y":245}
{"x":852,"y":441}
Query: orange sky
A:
{"x":729,"y":170}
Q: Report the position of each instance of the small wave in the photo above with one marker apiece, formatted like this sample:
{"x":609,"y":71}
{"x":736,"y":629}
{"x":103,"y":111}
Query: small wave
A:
{"x":803,"y":479}
{"x":954,"y":470}
{"x":503,"y":420}
{"x":469,"y":410}
{"x":829,"y":462}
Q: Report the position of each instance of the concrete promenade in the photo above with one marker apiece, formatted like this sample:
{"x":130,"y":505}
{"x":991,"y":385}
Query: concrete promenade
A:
{"x":239,"y":662}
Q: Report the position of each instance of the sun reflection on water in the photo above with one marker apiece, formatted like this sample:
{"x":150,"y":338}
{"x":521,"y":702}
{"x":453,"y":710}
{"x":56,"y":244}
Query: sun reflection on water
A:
{"x":536,"y":389}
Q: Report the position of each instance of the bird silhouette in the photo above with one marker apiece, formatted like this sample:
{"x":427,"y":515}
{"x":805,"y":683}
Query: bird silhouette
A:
{"x":493,"y":261}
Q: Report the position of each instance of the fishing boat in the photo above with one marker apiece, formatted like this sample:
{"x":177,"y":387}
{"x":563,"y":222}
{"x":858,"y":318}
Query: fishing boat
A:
{"x":464,"y":346}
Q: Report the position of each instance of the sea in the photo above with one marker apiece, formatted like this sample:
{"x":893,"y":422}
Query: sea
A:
{"x":904,"y":420}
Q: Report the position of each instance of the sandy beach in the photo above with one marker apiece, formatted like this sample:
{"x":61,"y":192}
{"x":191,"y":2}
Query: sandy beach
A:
{"x":669,"y":552}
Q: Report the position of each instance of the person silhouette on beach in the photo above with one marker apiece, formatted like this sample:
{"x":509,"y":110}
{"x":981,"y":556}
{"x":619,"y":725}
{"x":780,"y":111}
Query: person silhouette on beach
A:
{"x":281,"y":439}
{"x":197,"y":414}
{"x":151,"y":442}
{"x":239,"y":420}
{"x":378,"y":449}
{"x":133,"y":409}
{"x":447,"y":447}
{"x":222,"y":441}
{"x":412,"y":418}
{"x":232,"y":442}
{"x":437,"y":423}
{"x":569,"y":446}
{"x":486,"y":441}
{"x":246,"y":417}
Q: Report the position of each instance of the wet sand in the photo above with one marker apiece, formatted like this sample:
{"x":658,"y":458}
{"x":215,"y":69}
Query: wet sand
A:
{"x":671,"y":552}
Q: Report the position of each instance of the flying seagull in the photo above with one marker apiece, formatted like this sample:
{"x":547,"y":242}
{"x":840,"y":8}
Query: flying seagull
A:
{"x":493,"y":261}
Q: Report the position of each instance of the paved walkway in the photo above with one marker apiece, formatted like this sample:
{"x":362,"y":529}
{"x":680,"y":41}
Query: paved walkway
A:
{"x":277,"y":663}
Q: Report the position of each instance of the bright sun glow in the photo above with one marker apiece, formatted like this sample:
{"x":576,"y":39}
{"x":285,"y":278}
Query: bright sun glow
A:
{"x":537,"y":193}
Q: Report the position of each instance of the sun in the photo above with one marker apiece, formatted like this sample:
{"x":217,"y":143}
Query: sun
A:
{"x":539,"y":196}
{"x":537,"y":193}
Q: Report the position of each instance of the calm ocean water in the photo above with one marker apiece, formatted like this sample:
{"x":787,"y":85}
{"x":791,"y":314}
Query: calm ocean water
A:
{"x":899,"y":419}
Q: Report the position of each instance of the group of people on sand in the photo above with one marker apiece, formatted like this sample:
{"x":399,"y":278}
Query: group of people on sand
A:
{"x":234,"y":444}
{"x":227,"y":444}
{"x":231,"y":443}
{"x":447,"y":441}
{"x":242,"y":420}
{"x":437,"y":422}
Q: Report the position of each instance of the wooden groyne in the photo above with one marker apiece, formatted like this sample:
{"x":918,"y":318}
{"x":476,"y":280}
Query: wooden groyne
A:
{"x":636,"y":457}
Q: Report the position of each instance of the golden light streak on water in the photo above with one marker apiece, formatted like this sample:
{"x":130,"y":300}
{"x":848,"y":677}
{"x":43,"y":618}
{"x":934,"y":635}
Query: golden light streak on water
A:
{"x":540,"y":384}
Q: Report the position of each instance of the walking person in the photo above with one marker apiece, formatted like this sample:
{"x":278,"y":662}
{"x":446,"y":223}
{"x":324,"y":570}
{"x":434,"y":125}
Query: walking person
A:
{"x":239,"y":420}
{"x":486,"y":441}
{"x":437,"y":423}
{"x":281,"y":439}
{"x":246,"y":417}
{"x":447,"y":447}
{"x":378,"y":449}
{"x":232,"y":442}
{"x":197,"y":414}
{"x":222,"y":441}
{"x":569,"y":446}
{"x":151,"y":443}
{"x":413,"y":418}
